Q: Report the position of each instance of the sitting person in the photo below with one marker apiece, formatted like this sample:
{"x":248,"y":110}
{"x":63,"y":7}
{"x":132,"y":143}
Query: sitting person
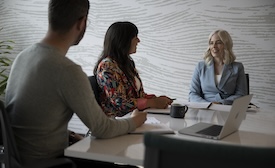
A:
{"x":121,"y":85}
{"x":218,"y":79}
{"x":45,"y":89}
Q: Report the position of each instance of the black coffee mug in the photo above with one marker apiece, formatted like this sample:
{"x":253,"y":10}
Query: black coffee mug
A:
{"x":178,"y":110}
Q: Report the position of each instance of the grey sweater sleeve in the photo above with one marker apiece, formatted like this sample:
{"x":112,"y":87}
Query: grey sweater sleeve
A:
{"x":78,"y":94}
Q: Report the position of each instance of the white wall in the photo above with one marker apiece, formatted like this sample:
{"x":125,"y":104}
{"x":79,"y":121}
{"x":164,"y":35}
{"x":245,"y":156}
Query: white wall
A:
{"x":173,"y":36}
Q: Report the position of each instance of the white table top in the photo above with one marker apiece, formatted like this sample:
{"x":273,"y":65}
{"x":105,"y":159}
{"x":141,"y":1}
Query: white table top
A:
{"x":258,"y":129}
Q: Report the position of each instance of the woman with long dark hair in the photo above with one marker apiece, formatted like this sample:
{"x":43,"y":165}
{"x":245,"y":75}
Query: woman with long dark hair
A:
{"x":121,"y":87}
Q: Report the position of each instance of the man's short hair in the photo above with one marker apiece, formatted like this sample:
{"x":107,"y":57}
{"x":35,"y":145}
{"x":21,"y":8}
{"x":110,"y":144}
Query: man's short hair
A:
{"x":63,"y":14}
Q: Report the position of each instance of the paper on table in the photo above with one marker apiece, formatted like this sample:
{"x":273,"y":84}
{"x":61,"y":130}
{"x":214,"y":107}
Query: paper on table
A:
{"x":153,"y":125}
{"x":199,"y":105}
{"x":158,"y":111}
{"x":227,"y":108}
{"x":220,"y":107}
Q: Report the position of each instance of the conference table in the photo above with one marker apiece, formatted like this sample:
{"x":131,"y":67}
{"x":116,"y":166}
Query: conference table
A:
{"x":257,"y":129}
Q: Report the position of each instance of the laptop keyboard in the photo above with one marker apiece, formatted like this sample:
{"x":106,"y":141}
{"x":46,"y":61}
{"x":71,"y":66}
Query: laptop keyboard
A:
{"x":213,"y":130}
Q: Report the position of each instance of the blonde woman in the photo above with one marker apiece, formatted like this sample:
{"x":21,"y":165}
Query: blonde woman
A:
{"x":219,"y":78}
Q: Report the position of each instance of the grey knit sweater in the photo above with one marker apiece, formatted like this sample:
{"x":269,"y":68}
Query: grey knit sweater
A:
{"x":44,"y":89}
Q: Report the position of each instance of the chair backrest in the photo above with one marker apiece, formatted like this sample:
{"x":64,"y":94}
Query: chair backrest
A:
{"x":95,"y":87}
{"x":162,"y":151}
{"x":247,"y":83}
{"x":248,"y":88}
{"x":11,"y":155}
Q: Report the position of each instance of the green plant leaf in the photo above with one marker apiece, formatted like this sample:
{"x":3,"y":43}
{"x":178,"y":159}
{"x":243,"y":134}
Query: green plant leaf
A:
{"x":5,"y":49}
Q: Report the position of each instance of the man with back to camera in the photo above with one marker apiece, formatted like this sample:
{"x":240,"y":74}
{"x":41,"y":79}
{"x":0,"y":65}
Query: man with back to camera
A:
{"x":45,"y":89}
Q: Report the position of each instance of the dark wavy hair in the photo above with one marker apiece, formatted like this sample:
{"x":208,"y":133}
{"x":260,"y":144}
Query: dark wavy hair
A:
{"x":117,"y":44}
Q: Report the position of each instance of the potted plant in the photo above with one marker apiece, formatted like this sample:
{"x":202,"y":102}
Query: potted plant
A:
{"x":5,"y":63}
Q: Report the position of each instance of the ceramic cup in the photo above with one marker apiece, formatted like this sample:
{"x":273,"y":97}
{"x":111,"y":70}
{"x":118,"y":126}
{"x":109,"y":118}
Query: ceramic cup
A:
{"x":178,"y":110}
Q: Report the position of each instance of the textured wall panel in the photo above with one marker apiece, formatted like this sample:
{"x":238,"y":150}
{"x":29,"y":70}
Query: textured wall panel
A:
{"x":173,"y":36}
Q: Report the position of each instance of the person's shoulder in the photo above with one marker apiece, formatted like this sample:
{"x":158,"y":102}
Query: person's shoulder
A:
{"x":107,"y":62}
{"x":107,"y":59}
{"x":201,"y":64}
{"x":237,"y":64}
{"x":30,"y":48}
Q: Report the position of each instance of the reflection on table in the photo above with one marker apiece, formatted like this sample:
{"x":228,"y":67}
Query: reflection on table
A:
{"x":257,"y":129}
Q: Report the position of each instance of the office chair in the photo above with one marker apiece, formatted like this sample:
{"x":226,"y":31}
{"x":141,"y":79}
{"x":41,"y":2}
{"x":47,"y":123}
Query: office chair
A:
{"x":96,"y":90}
{"x":248,"y":88}
{"x":162,"y":151}
{"x":95,"y":87}
{"x":10,"y":156}
{"x":247,"y":83}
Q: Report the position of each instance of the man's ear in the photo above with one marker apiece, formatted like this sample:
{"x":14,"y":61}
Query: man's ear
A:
{"x":81,"y":23}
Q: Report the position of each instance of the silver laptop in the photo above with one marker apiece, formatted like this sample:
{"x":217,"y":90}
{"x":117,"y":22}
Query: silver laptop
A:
{"x":236,"y":116}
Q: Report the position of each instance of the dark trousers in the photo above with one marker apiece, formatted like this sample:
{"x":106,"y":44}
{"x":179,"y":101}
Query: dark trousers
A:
{"x":83,"y":163}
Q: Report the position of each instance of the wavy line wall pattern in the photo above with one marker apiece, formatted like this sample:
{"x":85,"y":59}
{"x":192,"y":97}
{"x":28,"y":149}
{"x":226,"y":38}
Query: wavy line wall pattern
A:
{"x":173,"y":36}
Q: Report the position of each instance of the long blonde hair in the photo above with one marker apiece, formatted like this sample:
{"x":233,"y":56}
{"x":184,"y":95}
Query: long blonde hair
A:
{"x":225,"y":37}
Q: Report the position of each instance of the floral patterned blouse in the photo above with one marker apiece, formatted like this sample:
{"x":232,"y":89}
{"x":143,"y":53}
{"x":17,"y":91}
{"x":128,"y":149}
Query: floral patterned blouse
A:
{"x":118,"y":95}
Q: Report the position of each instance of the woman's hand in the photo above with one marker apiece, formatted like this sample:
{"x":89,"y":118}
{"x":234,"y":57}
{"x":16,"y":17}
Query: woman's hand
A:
{"x":150,"y":96}
{"x":160,"y":102}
